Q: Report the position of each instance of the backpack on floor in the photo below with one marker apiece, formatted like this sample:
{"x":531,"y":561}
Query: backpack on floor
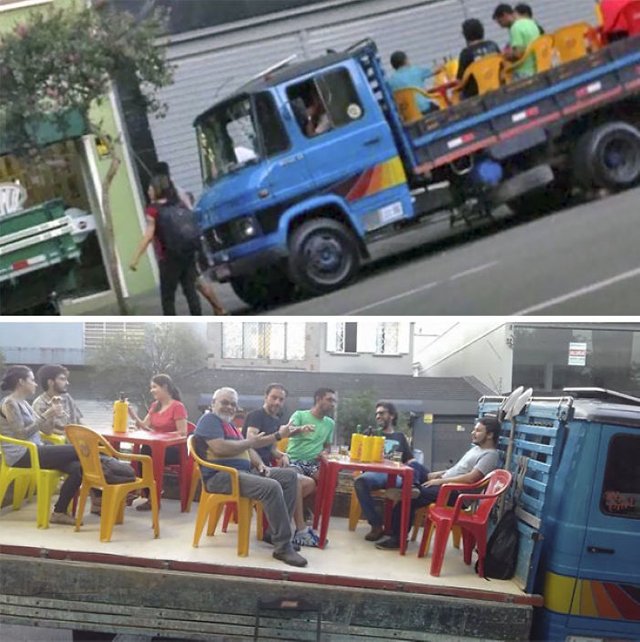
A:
{"x":502,"y":549}
{"x":178,"y":230}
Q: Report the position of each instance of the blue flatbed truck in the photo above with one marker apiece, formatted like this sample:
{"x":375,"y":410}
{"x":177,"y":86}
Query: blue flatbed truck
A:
{"x":576,"y":459}
{"x":287,"y":209}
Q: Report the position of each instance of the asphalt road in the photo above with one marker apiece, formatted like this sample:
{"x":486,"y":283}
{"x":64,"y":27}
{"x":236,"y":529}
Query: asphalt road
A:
{"x":580,"y":261}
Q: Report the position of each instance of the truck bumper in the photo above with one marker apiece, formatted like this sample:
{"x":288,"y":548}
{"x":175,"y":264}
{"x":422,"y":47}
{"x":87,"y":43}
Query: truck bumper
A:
{"x":224,"y":267}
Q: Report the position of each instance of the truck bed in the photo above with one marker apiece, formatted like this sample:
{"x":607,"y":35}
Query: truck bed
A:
{"x":552,"y":97}
{"x":138,"y":584}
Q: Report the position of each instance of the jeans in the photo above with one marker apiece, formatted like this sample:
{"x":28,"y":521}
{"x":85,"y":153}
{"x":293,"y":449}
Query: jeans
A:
{"x":369,"y":482}
{"x":276,"y":492}
{"x":175,"y":270}
{"x":62,"y":458}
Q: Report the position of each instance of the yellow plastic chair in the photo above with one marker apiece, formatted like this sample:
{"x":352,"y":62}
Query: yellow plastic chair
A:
{"x":89,"y":445}
{"x":487,"y":72}
{"x":408,"y":105}
{"x":27,"y":480}
{"x":541,"y":49}
{"x":211,"y":505}
{"x":570,"y":42}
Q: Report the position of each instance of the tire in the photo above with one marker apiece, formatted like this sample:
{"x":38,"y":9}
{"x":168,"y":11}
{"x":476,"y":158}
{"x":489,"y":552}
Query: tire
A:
{"x":608,"y":157}
{"x":263,"y":290}
{"x":323,"y":256}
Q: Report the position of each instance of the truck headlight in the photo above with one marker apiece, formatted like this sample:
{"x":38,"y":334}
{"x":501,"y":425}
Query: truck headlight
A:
{"x":247,"y":227}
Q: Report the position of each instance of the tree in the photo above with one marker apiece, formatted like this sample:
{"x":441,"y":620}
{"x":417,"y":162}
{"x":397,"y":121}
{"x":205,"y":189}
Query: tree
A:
{"x":355,"y":408}
{"x":126,"y":364}
{"x":62,"y":62}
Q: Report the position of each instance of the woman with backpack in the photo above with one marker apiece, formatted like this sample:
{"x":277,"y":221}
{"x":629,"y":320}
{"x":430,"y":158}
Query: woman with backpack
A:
{"x":175,"y":235}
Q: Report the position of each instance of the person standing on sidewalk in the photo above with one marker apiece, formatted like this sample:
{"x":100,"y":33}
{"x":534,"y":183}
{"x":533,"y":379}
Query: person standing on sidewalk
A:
{"x":171,"y":228}
{"x":203,"y":285}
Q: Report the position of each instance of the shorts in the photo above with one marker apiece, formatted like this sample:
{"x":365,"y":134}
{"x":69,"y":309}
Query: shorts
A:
{"x":309,"y":468}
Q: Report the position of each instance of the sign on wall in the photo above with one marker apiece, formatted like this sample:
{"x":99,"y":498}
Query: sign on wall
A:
{"x":577,"y":354}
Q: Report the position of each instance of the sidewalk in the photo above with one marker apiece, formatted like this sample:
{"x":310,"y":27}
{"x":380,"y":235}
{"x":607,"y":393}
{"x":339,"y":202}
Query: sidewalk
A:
{"x":148,"y":304}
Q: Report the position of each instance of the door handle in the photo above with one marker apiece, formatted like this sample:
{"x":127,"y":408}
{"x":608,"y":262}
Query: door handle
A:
{"x":598,"y":549}
{"x":263,"y":193}
{"x":372,"y":141}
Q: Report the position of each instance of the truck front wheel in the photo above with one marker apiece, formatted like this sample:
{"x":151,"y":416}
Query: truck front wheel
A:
{"x":608,"y":156}
{"x":323,"y":256}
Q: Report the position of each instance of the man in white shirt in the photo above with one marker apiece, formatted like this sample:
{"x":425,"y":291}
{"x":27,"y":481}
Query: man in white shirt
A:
{"x":475,"y":464}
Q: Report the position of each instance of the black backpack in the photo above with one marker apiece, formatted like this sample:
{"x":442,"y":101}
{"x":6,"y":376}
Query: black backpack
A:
{"x":178,"y":230}
{"x":502,"y":549}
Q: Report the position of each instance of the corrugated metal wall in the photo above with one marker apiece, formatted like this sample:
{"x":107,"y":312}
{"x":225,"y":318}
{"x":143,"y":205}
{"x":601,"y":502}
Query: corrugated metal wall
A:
{"x":210,"y":66}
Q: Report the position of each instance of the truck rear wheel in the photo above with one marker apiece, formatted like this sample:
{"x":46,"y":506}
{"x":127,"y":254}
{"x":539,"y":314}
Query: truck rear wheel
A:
{"x":608,"y":156}
{"x":323,"y":256}
{"x":262,"y":290}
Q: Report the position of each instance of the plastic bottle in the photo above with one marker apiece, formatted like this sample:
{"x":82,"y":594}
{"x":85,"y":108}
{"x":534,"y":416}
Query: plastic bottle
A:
{"x":367,"y":449}
{"x":120,"y":414}
{"x":378,"y":449}
{"x":355,"y":452}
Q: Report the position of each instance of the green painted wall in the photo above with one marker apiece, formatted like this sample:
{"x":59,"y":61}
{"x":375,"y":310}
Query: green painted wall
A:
{"x":123,"y":194}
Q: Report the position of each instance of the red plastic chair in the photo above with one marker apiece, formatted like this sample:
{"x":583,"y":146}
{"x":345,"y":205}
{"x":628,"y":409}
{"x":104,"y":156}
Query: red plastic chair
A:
{"x":472,"y":522}
{"x":185,"y":487}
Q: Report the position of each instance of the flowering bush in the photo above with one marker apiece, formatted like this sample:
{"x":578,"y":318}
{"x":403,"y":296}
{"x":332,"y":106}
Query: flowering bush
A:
{"x":63,"y":60}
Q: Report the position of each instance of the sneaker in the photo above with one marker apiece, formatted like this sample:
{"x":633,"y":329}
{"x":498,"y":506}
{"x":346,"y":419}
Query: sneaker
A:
{"x":306,"y":537}
{"x":62,"y":518}
{"x":143,"y":506}
{"x":290,"y":557}
{"x":374,"y":534}
{"x":266,"y":538}
{"x":389,"y":544}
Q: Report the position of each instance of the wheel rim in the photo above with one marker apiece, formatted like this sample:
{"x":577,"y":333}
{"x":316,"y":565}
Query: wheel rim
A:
{"x":621,"y":159}
{"x":327,"y":260}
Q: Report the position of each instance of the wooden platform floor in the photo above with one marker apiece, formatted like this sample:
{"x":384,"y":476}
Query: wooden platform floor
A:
{"x":347,"y":560}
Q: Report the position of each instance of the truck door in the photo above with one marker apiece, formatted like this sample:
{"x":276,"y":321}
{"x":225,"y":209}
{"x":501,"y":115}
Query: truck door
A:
{"x":286,"y":176}
{"x":349,"y":147}
{"x":608,"y":593}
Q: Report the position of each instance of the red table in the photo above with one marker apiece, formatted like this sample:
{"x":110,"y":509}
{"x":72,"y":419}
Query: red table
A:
{"x":444,"y":89}
{"x":158,"y":442}
{"x":329,"y":469}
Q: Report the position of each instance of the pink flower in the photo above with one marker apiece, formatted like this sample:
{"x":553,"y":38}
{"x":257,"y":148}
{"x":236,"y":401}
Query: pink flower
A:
{"x":21,"y":30}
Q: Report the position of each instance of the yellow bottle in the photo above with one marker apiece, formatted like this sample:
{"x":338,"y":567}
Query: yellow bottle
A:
{"x":367,"y":449}
{"x":356,"y":446}
{"x":378,"y":449}
{"x":120,"y":414}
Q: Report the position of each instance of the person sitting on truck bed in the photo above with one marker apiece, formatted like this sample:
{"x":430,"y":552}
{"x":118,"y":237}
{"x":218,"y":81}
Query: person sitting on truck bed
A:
{"x":407,"y":75}
{"x":475,"y":464}
{"x":477,"y":47}
{"x":524,"y":10}
{"x":522,"y":32}
{"x":614,"y":25}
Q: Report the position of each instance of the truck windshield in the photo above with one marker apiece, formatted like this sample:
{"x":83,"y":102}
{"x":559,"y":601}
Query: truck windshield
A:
{"x":228,"y":138}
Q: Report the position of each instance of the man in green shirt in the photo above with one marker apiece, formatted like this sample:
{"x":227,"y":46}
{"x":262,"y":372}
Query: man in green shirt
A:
{"x":306,"y":446}
{"x":522,"y":32}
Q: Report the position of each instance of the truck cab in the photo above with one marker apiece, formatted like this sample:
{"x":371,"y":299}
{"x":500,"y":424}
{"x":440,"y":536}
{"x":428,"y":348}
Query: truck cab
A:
{"x":577,"y":462}
{"x":299,"y":165}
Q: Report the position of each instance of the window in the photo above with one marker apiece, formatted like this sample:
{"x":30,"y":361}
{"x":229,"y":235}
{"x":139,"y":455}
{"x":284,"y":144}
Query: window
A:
{"x":346,"y":337}
{"x":325,"y":102}
{"x":273,"y":134}
{"x":96,"y":333}
{"x":621,"y":487}
{"x":387,"y":338}
{"x":255,"y":340}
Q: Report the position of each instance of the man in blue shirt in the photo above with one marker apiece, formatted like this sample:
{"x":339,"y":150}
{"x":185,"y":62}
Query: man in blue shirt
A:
{"x":406,"y":75}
